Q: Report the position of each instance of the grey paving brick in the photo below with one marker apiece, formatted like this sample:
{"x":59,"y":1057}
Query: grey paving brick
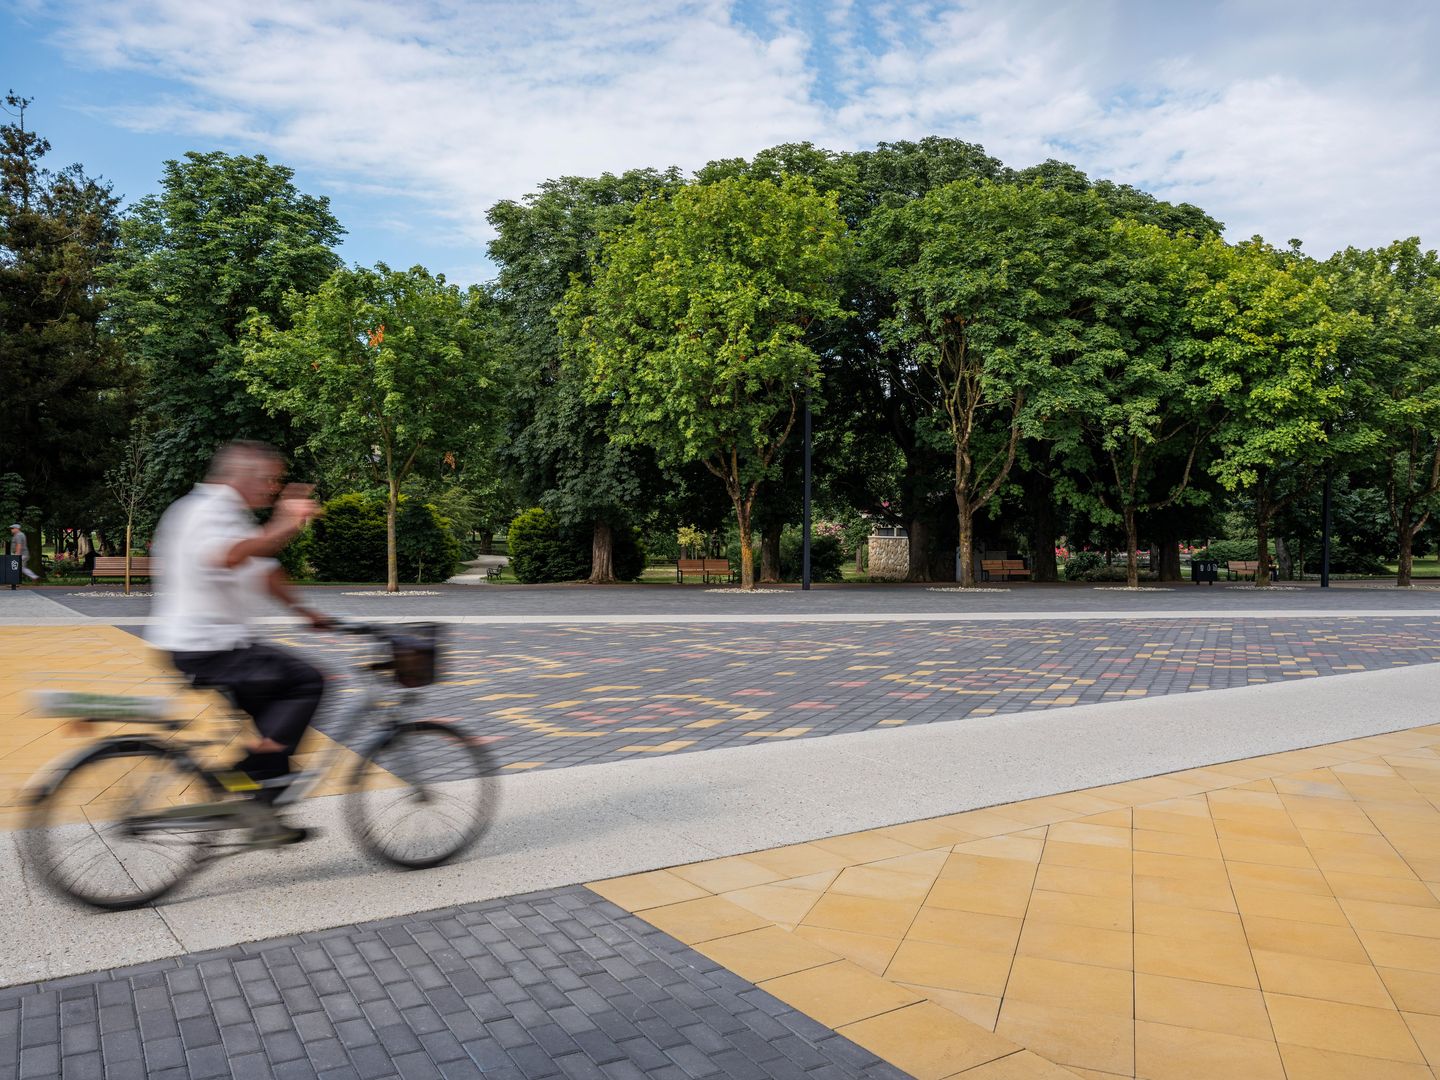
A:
{"x":556,"y":985}
{"x":88,"y":1066}
{"x":207,"y":1062}
{"x":250,"y":1067}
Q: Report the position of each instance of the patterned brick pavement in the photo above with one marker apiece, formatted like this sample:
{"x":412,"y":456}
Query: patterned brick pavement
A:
{"x":553,"y":984}
{"x":558,"y":695}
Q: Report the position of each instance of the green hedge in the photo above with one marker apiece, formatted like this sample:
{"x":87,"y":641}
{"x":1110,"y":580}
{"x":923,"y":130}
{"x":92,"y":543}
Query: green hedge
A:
{"x":541,"y":550}
{"x":348,"y":542}
{"x":826,"y":556}
{"x":1224,"y":551}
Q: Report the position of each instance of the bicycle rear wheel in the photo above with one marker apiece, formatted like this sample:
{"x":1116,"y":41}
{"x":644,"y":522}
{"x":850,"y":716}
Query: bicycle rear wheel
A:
{"x":111,"y":830}
{"x":424,"y":793}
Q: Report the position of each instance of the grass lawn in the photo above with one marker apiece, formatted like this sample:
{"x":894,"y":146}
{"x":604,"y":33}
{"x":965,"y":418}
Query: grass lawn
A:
{"x":1420,"y":568}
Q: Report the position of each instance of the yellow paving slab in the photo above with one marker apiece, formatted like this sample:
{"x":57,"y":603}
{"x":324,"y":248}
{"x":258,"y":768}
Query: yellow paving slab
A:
{"x":105,"y":659}
{"x":1276,"y":917}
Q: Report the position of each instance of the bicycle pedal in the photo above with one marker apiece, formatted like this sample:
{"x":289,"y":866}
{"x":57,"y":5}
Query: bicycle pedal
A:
{"x":235,"y":781}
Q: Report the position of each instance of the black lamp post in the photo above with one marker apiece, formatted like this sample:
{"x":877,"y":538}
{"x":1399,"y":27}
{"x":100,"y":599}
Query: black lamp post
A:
{"x":805,"y":519}
{"x":1325,"y":522}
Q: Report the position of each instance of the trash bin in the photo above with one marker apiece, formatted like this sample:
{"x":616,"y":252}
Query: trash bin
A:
{"x":10,"y":570}
{"x":1204,"y":570}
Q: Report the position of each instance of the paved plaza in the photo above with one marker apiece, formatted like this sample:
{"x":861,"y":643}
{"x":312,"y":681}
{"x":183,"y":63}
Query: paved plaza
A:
{"x":1021,"y":832}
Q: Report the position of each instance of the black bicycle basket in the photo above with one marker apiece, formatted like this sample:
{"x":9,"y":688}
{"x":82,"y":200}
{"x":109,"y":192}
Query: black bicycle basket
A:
{"x":415,"y":654}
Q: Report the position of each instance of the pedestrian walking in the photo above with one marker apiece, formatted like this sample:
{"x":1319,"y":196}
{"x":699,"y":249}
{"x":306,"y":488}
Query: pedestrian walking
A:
{"x":17,"y":547}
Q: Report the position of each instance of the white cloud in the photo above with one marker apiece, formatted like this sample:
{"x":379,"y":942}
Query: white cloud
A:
{"x":1302,"y":120}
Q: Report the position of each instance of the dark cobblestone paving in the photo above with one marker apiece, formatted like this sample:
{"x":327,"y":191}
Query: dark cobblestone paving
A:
{"x":553,"y":984}
{"x":555,"y":695}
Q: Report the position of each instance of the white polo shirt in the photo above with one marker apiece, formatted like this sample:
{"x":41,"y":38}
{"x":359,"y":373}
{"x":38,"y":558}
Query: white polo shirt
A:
{"x":200,"y":604}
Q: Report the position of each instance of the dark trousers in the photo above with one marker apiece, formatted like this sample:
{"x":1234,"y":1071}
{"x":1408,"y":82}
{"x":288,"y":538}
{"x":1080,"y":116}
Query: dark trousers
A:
{"x":279,"y":690}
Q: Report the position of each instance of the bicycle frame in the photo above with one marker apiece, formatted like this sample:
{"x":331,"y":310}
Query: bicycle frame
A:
{"x":371,"y":708}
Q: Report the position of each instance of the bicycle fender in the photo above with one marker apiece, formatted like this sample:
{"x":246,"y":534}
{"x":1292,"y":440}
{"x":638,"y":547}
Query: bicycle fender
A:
{"x":114,"y":746}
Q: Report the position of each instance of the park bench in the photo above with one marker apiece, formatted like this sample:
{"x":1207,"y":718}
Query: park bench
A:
{"x":1004,"y":569}
{"x":1245,"y":568}
{"x":113,"y":566}
{"x":705,"y":568}
{"x":492,"y":573}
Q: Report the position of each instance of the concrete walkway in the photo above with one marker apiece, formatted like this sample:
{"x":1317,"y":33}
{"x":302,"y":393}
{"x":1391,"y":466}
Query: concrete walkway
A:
{"x":476,"y":569}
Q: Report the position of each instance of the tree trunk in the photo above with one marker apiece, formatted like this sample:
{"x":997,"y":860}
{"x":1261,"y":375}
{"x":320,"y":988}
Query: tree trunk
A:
{"x":1406,"y":536}
{"x":918,"y":550}
{"x":747,"y":558}
{"x":602,"y":554}
{"x":1169,"y":568}
{"x":1039,"y":497}
{"x":127,"y":557}
{"x":1262,"y":532}
{"x":1132,"y":542}
{"x":1284,"y":565}
{"x":965,"y":519}
{"x":770,"y":555}
{"x":392,"y":562}
{"x":859,"y":559}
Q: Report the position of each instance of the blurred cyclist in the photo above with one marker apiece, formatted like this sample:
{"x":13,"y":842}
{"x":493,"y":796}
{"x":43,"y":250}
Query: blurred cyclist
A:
{"x":216,"y":564}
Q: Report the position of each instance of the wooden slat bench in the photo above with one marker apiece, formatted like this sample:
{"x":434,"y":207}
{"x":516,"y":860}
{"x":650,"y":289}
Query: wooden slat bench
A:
{"x":109,"y":567}
{"x":719,"y":569}
{"x":1245,"y":568}
{"x":1005,"y":569}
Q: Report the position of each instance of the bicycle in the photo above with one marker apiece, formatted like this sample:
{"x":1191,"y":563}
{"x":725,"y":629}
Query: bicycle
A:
{"x":151,"y":815}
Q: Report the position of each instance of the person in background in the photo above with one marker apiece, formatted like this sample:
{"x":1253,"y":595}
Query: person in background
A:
{"x":19,"y":547}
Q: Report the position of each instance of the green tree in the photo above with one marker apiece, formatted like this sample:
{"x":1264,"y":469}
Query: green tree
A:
{"x":1145,"y":407}
{"x":379,"y":367}
{"x":560,"y":449}
{"x":225,"y":236}
{"x":67,"y":388}
{"x":994,"y":287}
{"x":694,"y":326}
{"x":131,"y":481}
{"x":1393,"y":356}
{"x":1268,"y":341}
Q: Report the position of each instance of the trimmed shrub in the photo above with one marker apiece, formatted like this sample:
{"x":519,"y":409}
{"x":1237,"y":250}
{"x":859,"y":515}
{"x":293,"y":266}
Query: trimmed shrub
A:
{"x":1083,"y":563}
{"x":541,"y":550}
{"x":425,"y":548}
{"x":1224,"y":551}
{"x":294,"y":557}
{"x":628,"y":558}
{"x":827,"y":554}
{"x":349,"y":540}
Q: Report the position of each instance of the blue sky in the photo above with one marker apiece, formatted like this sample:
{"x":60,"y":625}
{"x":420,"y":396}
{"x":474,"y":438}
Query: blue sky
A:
{"x":1290,"y":119}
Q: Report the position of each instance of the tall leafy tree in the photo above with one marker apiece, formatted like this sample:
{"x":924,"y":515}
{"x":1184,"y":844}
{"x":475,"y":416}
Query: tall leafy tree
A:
{"x":381,"y":368}
{"x":1393,"y":358}
{"x":224,"y":236}
{"x":67,"y":389}
{"x":560,"y":450}
{"x":694,"y":326}
{"x":1146,"y":406}
{"x":995,"y":286}
{"x":1269,"y":339}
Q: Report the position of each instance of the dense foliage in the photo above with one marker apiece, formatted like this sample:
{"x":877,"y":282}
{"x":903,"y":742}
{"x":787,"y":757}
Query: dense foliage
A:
{"x":998,"y":361}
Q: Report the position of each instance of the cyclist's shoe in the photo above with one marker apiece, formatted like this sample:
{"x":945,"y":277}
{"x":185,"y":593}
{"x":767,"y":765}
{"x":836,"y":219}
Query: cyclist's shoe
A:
{"x":277,"y":833}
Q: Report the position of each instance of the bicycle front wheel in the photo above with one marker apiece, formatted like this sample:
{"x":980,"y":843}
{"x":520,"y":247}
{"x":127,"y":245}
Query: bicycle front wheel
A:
{"x":114,"y":830}
{"x":424,"y":793}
